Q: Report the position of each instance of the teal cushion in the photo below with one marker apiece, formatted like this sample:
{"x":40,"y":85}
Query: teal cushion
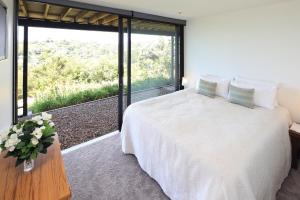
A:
{"x":241,"y":96}
{"x":207,"y":88}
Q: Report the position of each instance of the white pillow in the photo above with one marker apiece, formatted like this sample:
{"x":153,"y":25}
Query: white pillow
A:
{"x":265,"y":94}
{"x":222,"y":84}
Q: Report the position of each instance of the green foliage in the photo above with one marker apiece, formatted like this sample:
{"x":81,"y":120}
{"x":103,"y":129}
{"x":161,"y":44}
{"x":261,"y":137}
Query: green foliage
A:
{"x":19,"y":141}
{"x":63,"y":73}
{"x":151,"y":83}
{"x":63,"y":100}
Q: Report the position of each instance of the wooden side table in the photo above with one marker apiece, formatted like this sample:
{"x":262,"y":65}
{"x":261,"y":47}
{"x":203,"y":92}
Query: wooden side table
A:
{"x":47,"y":181}
{"x":295,"y":141}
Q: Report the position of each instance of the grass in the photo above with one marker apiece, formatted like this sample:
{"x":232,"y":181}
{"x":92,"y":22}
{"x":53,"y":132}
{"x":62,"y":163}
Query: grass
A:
{"x":59,"y":100}
{"x":150,"y":83}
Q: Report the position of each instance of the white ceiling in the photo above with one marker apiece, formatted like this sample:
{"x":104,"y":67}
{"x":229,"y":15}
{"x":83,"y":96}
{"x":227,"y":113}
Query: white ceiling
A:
{"x":189,"y":8}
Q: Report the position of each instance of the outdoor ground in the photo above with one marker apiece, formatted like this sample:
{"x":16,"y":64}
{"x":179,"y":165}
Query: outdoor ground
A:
{"x":83,"y":122}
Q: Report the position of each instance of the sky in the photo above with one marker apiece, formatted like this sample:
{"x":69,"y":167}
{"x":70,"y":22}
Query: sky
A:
{"x":42,"y":34}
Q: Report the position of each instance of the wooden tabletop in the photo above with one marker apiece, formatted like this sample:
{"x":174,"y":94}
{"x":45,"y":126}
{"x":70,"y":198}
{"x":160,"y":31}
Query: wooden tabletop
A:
{"x":47,"y":181}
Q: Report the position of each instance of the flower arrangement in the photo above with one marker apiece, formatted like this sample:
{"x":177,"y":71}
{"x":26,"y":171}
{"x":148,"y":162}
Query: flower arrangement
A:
{"x":28,"y":138}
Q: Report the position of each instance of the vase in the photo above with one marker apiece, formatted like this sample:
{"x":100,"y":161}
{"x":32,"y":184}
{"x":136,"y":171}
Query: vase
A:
{"x":28,"y":165}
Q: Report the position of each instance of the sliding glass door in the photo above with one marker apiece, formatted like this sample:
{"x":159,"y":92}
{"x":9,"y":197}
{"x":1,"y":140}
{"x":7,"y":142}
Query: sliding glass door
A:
{"x":154,"y":67}
{"x":74,"y":55}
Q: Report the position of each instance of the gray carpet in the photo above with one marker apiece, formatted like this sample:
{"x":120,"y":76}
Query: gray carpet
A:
{"x":102,"y":172}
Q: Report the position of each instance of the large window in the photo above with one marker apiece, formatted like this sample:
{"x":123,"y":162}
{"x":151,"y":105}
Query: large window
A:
{"x":153,"y":59}
{"x":86,"y":66}
{"x":67,"y":67}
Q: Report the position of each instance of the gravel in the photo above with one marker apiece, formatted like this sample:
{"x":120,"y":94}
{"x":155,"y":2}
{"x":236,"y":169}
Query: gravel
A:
{"x":83,"y":122}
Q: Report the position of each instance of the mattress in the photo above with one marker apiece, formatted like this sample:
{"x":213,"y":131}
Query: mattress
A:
{"x":197,"y":147}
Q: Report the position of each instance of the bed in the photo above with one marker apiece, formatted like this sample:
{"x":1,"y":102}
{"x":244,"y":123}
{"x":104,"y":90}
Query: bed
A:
{"x":197,"y":147}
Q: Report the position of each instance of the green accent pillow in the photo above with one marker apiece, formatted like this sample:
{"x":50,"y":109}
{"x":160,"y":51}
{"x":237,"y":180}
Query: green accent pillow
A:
{"x":207,"y":88}
{"x":241,"y":96}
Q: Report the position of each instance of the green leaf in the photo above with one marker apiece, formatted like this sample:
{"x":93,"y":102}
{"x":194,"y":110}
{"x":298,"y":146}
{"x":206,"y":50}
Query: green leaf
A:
{"x":40,"y":147}
{"x":44,"y":151}
{"x":30,"y":145}
{"x":34,"y":154}
{"x":25,"y":138}
{"x":19,"y":161}
{"x":48,"y":131}
{"x":24,"y":157}
{"x":48,"y":140}
{"x":20,"y":145}
{"x":29,"y":127}
{"x":47,"y":144}
{"x":2,"y":146}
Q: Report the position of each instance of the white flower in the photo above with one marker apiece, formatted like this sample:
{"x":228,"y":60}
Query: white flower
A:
{"x":51,"y":124}
{"x":3,"y":136}
{"x":40,"y":122}
{"x":43,"y":127}
{"x":46,"y":116}
{"x":36,"y":118}
{"x":14,"y":136}
{"x":38,"y":136}
{"x":12,"y":148}
{"x":19,"y":131}
{"x":12,"y":142}
{"x":14,"y":128}
{"x":7,"y":144}
{"x":37,"y":133}
{"x":34,"y":141}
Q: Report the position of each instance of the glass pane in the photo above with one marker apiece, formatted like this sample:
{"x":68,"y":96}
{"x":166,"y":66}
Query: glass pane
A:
{"x":73,"y":74}
{"x":153,"y":59}
{"x":72,"y":69}
{"x":125,"y":63}
{"x":20,"y":70}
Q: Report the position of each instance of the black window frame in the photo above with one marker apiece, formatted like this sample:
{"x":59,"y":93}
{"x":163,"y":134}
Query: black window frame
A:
{"x":122,"y":14}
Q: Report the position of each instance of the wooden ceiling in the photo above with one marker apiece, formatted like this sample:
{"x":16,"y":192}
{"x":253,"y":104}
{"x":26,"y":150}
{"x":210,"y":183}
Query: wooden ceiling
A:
{"x":48,"y":12}
{"x":42,"y":11}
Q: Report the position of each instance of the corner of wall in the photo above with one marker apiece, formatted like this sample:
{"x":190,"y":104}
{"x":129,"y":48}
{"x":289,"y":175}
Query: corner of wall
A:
{"x":6,"y":73}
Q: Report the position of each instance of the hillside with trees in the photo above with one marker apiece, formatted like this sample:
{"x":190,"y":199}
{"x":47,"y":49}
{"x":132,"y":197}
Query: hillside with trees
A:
{"x":62,"y":73}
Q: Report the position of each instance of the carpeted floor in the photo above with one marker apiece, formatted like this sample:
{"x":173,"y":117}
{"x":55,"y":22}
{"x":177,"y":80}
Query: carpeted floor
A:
{"x":101,"y":171}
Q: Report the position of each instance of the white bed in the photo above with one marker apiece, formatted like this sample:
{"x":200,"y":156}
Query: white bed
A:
{"x":196,"y":147}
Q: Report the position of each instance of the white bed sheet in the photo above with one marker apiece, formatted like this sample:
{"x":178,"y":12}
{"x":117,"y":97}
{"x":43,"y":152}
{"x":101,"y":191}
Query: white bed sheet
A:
{"x":196,"y":147}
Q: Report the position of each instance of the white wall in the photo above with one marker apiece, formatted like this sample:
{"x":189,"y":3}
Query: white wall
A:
{"x":262,"y":42}
{"x":6,"y":74}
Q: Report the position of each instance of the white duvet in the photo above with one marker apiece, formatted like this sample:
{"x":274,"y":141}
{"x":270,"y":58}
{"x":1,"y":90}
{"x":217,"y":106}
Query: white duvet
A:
{"x":196,"y":147}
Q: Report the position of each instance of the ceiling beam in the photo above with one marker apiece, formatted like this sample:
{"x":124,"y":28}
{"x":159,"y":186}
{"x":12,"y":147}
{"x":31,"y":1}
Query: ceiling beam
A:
{"x":116,"y":22}
{"x":97,"y":17}
{"x":23,"y":7}
{"x":49,"y":17}
{"x":109,"y":19}
{"x":65,"y":13}
{"x":79,"y":17}
{"x":47,"y":7}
